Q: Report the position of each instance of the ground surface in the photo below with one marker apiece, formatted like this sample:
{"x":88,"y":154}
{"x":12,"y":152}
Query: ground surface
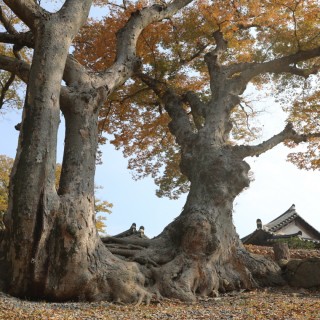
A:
{"x":264,"y":304}
{"x":269,"y":303}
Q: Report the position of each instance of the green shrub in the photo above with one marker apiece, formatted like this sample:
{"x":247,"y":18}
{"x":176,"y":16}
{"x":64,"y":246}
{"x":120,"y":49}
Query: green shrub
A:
{"x":297,"y":243}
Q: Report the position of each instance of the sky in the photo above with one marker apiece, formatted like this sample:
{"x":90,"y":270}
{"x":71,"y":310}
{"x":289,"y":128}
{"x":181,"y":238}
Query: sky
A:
{"x":277,"y":184}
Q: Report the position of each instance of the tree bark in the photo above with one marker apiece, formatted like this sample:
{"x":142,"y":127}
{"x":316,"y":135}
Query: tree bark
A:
{"x":281,"y":251}
{"x":33,"y":201}
{"x":50,"y":248}
{"x":214,"y":258}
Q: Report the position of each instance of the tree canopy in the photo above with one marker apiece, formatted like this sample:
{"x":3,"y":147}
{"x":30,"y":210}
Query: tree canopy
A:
{"x":254,"y":32}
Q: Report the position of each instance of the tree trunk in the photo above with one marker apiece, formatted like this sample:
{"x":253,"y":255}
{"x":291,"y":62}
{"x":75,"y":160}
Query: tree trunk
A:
{"x":33,"y":202}
{"x":204,"y":235}
{"x":200,"y":252}
{"x":51,"y":249}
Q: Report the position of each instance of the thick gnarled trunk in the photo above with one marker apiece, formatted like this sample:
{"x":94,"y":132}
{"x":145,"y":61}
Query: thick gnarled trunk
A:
{"x":200,"y":253}
{"x":51,"y":247}
{"x":210,"y":256}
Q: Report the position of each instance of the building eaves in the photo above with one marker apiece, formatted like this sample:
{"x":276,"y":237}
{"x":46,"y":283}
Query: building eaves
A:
{"x":283,"y":220}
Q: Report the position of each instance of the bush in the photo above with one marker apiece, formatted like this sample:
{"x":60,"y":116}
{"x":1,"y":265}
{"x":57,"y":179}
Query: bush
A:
{"x":297,"y":243}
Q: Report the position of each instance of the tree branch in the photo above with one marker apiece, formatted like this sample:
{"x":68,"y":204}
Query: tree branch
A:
{"x":75,"y":73}
{"x":26,"y":10}
{"x":5,"y":89}
{"x":20,"y":39}
{"x":283,"y":64}
{"x":70,"y":12}
{"x":6,"y":23}
{"x":287,"y":134}
{"x":157,"y":86}
{"x":212,"y":58}
{"x":213,"y":62}
{"x":198,"y":108}
{"x":15,"y":66}
{"x":21,"y":69}
{"x":126,"y":60}
{"x":180,"y":125}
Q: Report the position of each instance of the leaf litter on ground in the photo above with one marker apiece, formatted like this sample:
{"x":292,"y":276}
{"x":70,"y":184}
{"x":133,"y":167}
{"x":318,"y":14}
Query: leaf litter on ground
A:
{"x":271,"y":303}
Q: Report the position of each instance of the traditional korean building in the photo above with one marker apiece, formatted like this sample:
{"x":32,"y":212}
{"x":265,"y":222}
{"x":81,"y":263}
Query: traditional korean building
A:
{"x":289,"y":224}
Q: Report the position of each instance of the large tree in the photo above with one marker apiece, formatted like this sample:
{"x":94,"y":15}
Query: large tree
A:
{"x":50,"y":247}
{"x":275,"y":47}
{"x":174,"y":54}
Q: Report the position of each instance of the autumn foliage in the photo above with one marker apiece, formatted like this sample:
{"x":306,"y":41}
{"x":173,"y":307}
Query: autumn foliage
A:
{"x":173,"y":54}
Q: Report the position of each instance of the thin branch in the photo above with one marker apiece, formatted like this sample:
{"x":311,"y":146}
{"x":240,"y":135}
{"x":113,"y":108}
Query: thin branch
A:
{"x":16,"y":48}
{"x":283,"y":64}
{"x":5,"y":89}
{"x":287,"y":134}
{"x":247,"y":117}
{"x":15,"y":66}
{"x":159,"y":87}
{"x":132,"y":95}
{"x":111,"y":4}
{"x":176,"y":40}
{"x":6,"y":22}
{"x":152,"y":52}
{"x":20,"y":39}
{"x":201,"y":49}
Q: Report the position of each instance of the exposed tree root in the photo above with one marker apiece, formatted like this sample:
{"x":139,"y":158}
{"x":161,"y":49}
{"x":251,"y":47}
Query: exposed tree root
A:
{"x":141,"y":269}
{"x":186,"y":276}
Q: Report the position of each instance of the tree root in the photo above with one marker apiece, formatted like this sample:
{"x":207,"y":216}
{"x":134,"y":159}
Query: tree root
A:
{"x":185,"y":276}
{"x":145,"y":243}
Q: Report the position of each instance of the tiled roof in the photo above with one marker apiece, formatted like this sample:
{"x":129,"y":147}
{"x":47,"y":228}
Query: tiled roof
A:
{"x":282,"y":220}
{"x":267,"y":232}
{"x":286,"y":218}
